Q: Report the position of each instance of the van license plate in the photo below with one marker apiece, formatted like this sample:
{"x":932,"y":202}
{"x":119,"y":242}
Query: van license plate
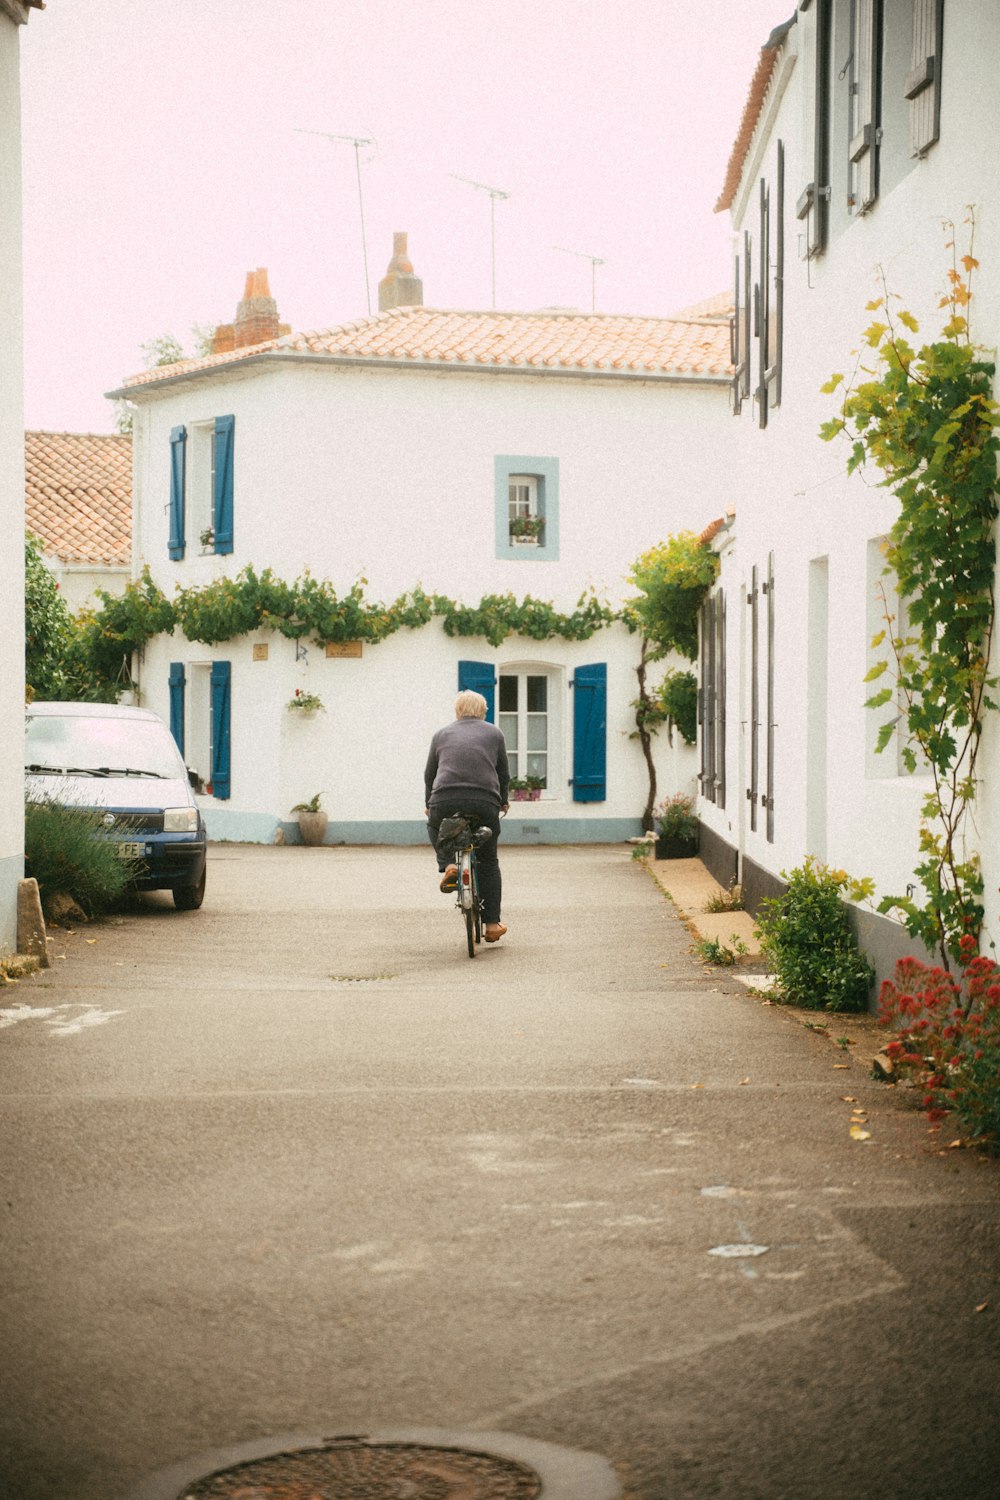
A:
{"x":131,"y":851}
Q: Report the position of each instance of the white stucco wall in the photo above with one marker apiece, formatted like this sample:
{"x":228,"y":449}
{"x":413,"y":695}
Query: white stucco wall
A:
{"x":79,"y":582}
{"x":390,"y":475}
{"x":794,"y":498}
{"x":11,"y":490}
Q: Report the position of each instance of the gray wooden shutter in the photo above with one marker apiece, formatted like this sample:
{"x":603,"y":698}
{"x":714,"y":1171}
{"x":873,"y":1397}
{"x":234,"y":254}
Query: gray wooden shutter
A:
{"x":720,"y":700}
{"x":763,"y":301}
{"x":923,"y":82}
{"x":703,"y":700}
{"x":754,"y":701}
{"x":863,"y":104}
{"x":769,"y":798}
{"x":777,"y":327}
{"x":735,"y":352}
{"x":813,"y":205}
{"x":745,"y":343}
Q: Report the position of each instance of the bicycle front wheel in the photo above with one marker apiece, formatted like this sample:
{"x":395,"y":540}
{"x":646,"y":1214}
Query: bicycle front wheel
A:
{"x":471,"y":918}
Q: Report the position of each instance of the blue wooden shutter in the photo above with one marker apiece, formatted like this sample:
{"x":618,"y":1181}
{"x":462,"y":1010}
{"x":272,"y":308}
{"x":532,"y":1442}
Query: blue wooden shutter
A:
{"x":481,"y":677}
{"x":177,"y":681}
{"x":178,"y":442}
{"x":221,"y":673}
{"x":590,"y":733}
{"x":222,"y":510}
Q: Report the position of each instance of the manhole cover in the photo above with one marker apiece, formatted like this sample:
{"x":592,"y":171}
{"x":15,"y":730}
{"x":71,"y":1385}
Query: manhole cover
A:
{"x":356,"y":1469}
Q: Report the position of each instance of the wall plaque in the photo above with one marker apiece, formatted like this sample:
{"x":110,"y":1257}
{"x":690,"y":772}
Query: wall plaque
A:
{"x":343,"y":648}
{"x":260,"y":651}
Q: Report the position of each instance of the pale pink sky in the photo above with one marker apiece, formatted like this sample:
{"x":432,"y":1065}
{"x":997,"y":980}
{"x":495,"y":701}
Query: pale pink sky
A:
{"x":161,"y":162}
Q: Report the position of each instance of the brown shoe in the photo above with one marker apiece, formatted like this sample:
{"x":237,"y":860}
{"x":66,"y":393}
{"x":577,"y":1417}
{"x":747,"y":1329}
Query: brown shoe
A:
{"x":494,"y":931}
{"x":449,"y":880}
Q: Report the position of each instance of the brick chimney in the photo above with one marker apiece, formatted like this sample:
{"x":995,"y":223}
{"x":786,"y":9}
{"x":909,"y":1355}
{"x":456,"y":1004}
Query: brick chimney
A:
{"x":399,"y":287}
{"x":256,"y":318}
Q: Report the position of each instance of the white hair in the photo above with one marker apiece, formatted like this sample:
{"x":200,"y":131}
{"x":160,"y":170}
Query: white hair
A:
{"x":470,"y":705}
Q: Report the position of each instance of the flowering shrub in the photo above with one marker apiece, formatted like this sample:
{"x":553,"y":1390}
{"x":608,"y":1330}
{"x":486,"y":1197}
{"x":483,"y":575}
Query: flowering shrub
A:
{"x":806,"y":936}
{"x":948,"y":1039}
{"x":308,"y":703}
{"x":676,"y":817}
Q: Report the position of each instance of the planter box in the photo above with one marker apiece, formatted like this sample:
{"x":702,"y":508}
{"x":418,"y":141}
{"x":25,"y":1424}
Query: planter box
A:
{"x":670,"y":848}
{"x":524,"y":794}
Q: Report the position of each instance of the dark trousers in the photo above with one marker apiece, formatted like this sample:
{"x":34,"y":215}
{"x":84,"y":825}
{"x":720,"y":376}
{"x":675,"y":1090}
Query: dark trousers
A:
{"x":488,"y":815}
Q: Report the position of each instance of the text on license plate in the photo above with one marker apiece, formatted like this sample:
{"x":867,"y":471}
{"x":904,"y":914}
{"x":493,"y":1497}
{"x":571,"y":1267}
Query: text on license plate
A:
{"x":128,"y":850}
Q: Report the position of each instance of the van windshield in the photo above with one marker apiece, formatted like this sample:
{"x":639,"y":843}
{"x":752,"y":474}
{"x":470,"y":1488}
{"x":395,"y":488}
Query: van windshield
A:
{"x":101,"y":746}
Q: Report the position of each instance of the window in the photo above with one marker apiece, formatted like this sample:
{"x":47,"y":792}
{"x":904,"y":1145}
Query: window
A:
{"x":201,"y":487}
{"x":526,"y":508}
{"x":525,"y":722}
{"x":527,"y":525}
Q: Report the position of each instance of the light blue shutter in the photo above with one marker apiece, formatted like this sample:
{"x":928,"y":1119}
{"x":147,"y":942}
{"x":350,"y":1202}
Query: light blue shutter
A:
{"x":481,"y":677}
{"x":177,"y":681}
{"x":590,"y":733}
{"x":222,"y":500}
{"x":221,"y":673}
{"x":175,"y":540}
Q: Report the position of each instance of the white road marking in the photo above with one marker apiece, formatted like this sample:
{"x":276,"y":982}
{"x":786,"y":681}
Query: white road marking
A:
{"x":59,"y":1024}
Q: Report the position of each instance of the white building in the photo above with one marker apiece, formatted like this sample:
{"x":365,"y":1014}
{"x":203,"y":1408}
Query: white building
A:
{"x":399,"y":449}
{"x":13,"y":15}
{"x":869,"y":124}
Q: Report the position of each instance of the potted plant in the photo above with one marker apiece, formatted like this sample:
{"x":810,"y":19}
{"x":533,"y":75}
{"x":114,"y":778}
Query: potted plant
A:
{"x":677,"y":827}
{"x":312,"y":820}
{"x":207,"y":539}
{"x":525,"y":788}
{"x":305,"y":704}
{"x":527,"y":528}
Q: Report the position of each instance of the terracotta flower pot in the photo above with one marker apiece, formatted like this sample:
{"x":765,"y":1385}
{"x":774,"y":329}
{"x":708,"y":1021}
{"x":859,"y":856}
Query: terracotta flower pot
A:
{"x":312,"y":826}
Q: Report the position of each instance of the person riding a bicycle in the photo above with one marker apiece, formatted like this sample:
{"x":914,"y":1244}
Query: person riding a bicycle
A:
{"x":467,"y":772}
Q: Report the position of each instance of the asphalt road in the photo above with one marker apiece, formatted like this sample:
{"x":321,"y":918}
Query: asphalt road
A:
{"x":294,"y":1163}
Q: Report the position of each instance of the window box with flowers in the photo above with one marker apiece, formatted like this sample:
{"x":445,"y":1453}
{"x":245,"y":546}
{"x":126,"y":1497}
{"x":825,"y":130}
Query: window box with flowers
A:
{"x":305,"y":705}
{"x":676,"y":828}
{"x":527,"y":528}
{"x":525,"y":788}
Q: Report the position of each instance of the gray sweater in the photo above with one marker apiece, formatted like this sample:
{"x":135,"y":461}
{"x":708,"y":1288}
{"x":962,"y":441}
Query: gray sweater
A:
{"x":470,"y":757}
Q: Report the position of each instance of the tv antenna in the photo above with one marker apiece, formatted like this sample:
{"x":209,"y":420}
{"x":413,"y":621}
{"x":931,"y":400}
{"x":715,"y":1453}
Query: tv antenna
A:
{"x":357,"y":141}
{"x":494,"y":193}
{"x":595,"y":261}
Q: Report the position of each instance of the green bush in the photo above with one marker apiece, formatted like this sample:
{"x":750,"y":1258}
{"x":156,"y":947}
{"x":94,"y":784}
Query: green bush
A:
{"x":806,"y":936}
{"x":66,"y":849}
{"x":678,"y":697}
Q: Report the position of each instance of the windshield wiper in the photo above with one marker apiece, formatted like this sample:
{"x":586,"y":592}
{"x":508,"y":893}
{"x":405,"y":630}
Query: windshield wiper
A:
{"x":127,"y":771}
{"x":70,"y":770}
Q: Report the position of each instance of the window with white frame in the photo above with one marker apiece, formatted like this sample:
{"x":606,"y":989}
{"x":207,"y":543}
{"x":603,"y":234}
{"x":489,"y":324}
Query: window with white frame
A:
{"x":201,"y":485}
{"x":528,"y":723}
{"x":527,"y":525}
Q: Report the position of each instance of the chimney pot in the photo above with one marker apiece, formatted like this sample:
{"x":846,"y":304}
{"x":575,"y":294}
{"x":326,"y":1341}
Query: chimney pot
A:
{"x":399,"y":287}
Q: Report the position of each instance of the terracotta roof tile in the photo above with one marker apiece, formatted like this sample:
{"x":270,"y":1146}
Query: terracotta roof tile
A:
{"x":78,"y":495}
{"x":759,"y":85}
{"x":690,"y":344}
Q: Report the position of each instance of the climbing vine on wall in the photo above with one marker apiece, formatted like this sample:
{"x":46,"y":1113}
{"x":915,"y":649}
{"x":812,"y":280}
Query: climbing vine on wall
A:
{"x":926,"y":417}
{"x":311,"y":607}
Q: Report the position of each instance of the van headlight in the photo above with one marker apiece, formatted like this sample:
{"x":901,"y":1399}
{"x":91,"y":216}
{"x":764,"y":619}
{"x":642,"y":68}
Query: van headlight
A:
{"x":180,"y":820}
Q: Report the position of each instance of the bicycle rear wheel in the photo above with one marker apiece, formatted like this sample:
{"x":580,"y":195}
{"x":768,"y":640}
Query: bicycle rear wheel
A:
{"x":471,"y":918}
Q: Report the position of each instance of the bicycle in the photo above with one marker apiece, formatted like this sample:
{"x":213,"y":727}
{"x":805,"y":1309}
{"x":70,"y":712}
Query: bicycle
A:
{"x":458,"y":831}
